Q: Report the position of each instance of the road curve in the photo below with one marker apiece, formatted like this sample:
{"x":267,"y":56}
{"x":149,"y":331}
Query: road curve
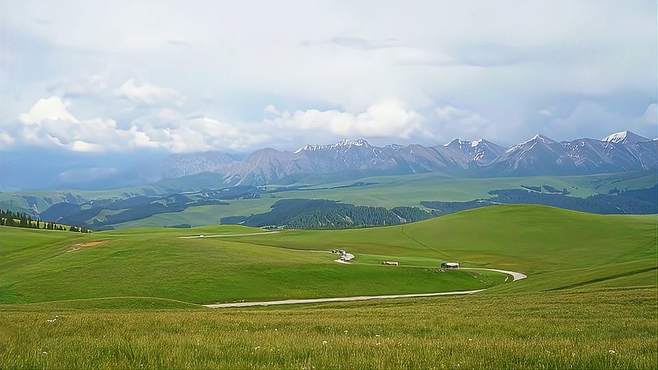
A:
{"x":515,"y":276}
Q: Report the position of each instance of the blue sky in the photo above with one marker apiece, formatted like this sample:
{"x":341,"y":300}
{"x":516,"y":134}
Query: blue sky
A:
{"x":186,"y":76}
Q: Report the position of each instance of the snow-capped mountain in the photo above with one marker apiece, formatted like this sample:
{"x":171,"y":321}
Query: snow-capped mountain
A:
{"x":540,"y":155}
{"x":473,"y":153}
{"x":625,"y":137}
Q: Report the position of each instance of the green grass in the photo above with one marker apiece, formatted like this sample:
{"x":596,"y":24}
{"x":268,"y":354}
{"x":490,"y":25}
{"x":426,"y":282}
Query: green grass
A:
{"x":590,"y":300}
{"x":203,"y":215}
{"x":156,"y":263}
{"x":554,"y":247}
{"x":557,"y":249}
{"x":584,"y":330}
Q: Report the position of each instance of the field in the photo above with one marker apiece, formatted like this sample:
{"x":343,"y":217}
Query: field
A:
{"x":598,"y":329}
{"x":589,"y":300}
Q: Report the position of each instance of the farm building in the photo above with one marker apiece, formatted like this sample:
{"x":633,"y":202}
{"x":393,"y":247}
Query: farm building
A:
{"x":450,"y":265}
{"x":391,"y":263}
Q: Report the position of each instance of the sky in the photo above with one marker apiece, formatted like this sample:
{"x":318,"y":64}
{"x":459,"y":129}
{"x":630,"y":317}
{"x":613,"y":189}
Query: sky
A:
{"x":189,"y":76}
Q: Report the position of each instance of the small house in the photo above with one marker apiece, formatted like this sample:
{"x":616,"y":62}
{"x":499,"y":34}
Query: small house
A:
{"x":450,"y":265}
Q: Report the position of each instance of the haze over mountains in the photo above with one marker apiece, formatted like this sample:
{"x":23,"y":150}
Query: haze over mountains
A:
{"x":619,"y":152}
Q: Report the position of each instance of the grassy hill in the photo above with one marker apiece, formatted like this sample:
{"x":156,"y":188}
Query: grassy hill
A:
{"x":556,"y":248}
{"x":589,"y":301}
{"x":157,"y":263}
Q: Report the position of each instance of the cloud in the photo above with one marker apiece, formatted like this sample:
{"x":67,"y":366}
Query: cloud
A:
{"x":202,"y":134}
{"x":598,"y":120}
{"x":650,"y":115}
{"x":388,"y":118}
{"x":48,"y":109}
{"x":175,"y":42}
{"x":148,"y":94}
{"x":504,"y":61}
{"x":356,"y":43}
{"x":5,"y":140}
{"x":49,"y":124}
{"x":463,"y":122}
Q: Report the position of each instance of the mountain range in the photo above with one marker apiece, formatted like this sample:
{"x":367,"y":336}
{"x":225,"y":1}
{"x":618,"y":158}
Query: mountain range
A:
{"x":619,"y":152}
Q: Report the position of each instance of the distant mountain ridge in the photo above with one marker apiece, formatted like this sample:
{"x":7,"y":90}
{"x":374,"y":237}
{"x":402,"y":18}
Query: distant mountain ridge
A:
{"x":619,"y":152}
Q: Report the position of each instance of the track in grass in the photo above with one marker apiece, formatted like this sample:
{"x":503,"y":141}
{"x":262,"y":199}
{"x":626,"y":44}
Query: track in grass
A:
{"x":515,"y":276}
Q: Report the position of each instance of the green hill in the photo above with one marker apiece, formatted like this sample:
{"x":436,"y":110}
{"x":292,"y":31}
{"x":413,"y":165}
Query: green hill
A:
{"x":589,"y":300}
{"x":557,"y":249}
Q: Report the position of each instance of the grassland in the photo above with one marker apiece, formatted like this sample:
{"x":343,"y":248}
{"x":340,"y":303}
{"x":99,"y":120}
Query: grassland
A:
{"x":132,"y":300}
{"x":157,"y":263}
{"x":556,"y":248}
{"x":567,"y":329}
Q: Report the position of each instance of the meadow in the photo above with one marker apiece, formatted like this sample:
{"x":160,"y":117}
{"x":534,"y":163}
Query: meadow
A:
{"x":568,"y":329}
{"x":132,"y":298}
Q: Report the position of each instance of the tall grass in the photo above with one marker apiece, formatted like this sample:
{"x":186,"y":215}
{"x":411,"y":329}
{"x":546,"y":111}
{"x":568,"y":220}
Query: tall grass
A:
{"x":604,"y":329}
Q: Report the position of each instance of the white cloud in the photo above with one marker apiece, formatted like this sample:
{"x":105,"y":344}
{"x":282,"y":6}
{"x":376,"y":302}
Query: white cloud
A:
{"x":50,"y":124}
{"x":203,"y":133}
{"x":518,"y":58}
{"x":388,"y":118}
{"x":598,"y":120}
{"x":148,"y":94}
{"x":650,"y":116}
{"x":5,"y":140}
{"x":462,"y":122}
{"x":47,"y":109}
{"x":545,"y":112}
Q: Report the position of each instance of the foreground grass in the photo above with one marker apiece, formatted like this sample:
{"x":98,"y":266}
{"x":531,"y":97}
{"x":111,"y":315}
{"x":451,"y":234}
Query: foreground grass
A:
{"x":566,"y":329}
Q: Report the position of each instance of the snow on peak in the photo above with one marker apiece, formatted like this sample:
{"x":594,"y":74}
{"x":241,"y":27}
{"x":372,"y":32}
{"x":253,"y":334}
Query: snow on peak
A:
{"x":345,"y":143}
{"x":357,"y":142}
{"x":541,"y":138}
{"x":459,"y":143}
{"x":624,"y":137}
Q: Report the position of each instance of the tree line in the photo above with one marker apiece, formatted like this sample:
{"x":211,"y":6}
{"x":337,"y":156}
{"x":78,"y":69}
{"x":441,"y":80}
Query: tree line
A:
{"x":328,"y":214}
{"x":18,"y":219}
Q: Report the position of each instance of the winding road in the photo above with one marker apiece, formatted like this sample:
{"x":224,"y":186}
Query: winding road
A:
{"x":515,"y":276}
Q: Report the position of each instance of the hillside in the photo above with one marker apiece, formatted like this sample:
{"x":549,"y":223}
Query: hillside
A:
{"x":556,"y":248}
{"x":562,"y":247}
{"x":589,"y":299}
